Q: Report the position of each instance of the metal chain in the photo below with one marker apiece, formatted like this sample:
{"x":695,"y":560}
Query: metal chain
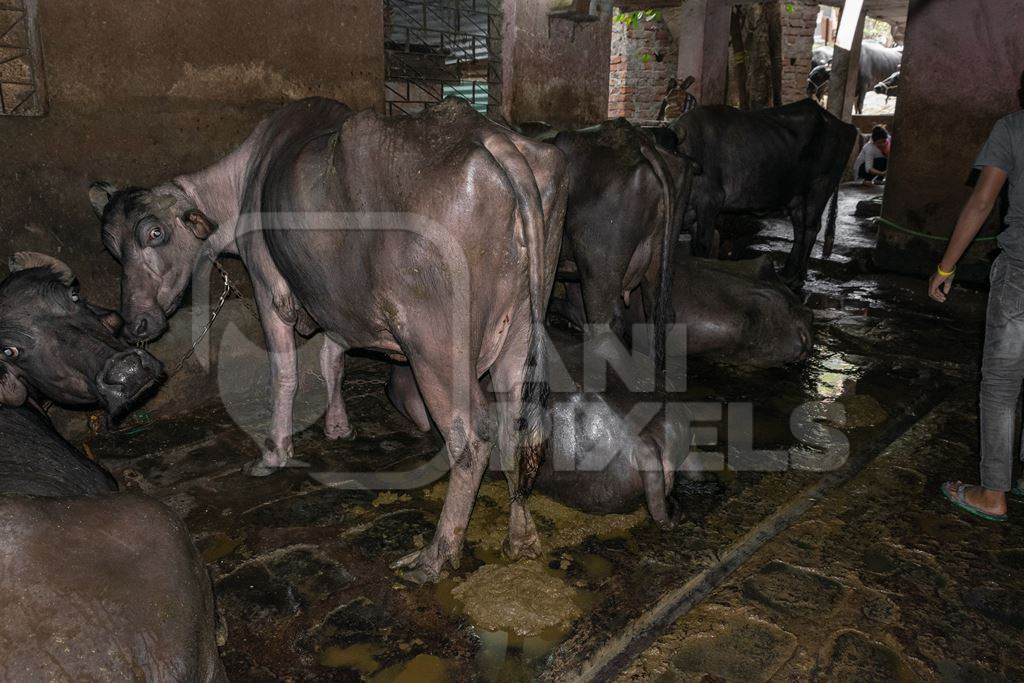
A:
{"x":234,"y":290}
{"x":229,"y":288}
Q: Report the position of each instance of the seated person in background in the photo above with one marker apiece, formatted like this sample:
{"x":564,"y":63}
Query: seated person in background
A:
{"x":873,"y":160}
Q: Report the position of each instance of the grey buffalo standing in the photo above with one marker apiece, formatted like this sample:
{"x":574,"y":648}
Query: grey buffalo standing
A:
{"x":96,"y":585}
{"x":790,"y":157}
{"x":621,"y":222}
{"x":432,"y":239}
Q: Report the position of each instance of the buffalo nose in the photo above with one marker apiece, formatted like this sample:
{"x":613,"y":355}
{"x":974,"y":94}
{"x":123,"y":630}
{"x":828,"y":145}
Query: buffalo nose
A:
{"x":122,"y":368}
{"x":126,"y":375}
{"x":140,"y":327}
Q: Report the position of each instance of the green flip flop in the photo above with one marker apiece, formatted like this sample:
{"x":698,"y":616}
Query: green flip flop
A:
{"x":957,"y":498}
{"x":1018,"y":489}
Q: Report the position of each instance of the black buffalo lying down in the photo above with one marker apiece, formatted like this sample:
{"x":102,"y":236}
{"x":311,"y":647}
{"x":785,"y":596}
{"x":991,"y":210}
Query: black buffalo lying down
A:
{"x":790,"y":157}
{"x":96,"y":585}
{"x":620,"y":221}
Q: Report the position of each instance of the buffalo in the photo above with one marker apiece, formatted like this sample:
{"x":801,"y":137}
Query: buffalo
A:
{"x":77,"y":600}
{"x":786,"y":158}
{"x":736,"y":312}
{"x":888,"y":86}
{"x":877,"y":63}
{"x":433,"y":239}
{"x":606,"y":452}
{"x":621,"y":222}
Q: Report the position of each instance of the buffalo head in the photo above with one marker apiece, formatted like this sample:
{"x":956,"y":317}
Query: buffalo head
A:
{"x":156,"y":235}
{"x":56,"y":345}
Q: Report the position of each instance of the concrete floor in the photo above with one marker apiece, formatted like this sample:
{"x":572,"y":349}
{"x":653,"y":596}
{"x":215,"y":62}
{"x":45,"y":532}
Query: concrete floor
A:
{"x":861,"y":572}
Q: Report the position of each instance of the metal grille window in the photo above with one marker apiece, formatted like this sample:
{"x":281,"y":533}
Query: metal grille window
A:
{"x":21,"y":60}
{"x":437,"y":48}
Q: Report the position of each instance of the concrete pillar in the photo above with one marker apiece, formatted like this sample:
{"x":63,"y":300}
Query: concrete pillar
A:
{"x":554,"y":70}
{"x":846,"y":60}
{"x":952,"y":48}
{"x":704,"y":48}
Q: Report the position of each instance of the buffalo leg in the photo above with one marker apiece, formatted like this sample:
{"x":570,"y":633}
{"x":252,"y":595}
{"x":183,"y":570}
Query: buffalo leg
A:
{"x":405,"y":396}
{"x":508,"y":375}
{"x":796,"y":263}
{"x":703,"y":237}
{"x":806,"y":215}
{"x":571,"y":307}
{"x":460,"y":423}
{"x":656,"y":487}
{"x":280,"y":338}
{"x":332,"y":365}
{"x":601,"y":276}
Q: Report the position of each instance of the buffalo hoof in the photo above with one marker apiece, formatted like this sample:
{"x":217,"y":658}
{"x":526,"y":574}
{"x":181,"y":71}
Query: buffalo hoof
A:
{"x":259,"y":468}
{"x":666,"y":524}
{"x":422,"y":566}
{"x":339,"y":434}
{"x":526,"y":548}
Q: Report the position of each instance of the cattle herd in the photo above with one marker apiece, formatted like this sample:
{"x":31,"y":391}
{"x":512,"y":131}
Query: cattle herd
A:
{"x":435,"y":241}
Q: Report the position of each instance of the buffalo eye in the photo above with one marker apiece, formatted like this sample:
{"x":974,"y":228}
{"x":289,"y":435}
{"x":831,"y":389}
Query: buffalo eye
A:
{"x":11,"y":352}
{"x":151,"y":233}
{"x":75,"y":296}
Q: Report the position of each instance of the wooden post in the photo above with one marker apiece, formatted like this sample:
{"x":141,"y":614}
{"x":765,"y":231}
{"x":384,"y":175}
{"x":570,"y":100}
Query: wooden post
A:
{"x":704,"y":48}
{"x":846,"y":60}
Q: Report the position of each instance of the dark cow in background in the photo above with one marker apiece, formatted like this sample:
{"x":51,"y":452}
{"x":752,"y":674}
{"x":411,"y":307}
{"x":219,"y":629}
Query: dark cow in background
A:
{"x":877,"y":63}
{"x":433,"y":239}
{"x":888,"y":86}
{"x":790,"y":157}
{"x":818,"y":80}
{"x":96,"y":585}
{"x":821,"y":55}
{"x":621,"y":223}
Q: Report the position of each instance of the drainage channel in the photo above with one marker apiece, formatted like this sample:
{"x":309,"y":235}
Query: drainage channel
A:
{"x":610,"y":658}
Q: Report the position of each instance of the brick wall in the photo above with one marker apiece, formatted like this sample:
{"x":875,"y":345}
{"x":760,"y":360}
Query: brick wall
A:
{"x":643,"y":58}
{"x":797,"y":42}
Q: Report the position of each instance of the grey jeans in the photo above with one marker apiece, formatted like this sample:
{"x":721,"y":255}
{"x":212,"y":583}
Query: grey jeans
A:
{"x":1002,"y":371}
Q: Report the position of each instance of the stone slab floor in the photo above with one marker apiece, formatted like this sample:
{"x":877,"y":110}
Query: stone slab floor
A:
{"x":879,"y":580}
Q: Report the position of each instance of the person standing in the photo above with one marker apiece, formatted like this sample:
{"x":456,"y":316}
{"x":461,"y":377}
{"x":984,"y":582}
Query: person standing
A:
{"x":1001,"y":161}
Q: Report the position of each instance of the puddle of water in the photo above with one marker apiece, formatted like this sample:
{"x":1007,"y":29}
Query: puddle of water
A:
{"x":595,"y":566}
{"x":831,"y":379}
{"x":219,"y":546}
{"x":505,"y":655}
{"x":420,"y":669}
{"x":359,"y":657}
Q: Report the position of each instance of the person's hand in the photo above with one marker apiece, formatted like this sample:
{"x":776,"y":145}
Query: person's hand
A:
{"x":938,"y":286}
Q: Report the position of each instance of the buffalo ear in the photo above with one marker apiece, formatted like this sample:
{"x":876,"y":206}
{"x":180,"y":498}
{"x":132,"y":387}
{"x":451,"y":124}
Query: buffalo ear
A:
{"x":12,"y":391}
{"x":199,"y":223}
{"x":111,"y":320}
{"x":23,"y":260}
{"x":100,"y":193}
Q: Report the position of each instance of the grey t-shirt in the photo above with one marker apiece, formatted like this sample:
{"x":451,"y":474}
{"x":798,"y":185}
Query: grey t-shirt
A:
{"x":1004,"y":149}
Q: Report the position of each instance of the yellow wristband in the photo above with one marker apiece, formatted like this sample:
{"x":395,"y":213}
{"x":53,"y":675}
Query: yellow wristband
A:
{"x":944,"y":273}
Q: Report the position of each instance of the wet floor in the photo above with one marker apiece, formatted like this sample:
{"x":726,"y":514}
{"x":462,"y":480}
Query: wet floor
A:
{"x":853,"y":586}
